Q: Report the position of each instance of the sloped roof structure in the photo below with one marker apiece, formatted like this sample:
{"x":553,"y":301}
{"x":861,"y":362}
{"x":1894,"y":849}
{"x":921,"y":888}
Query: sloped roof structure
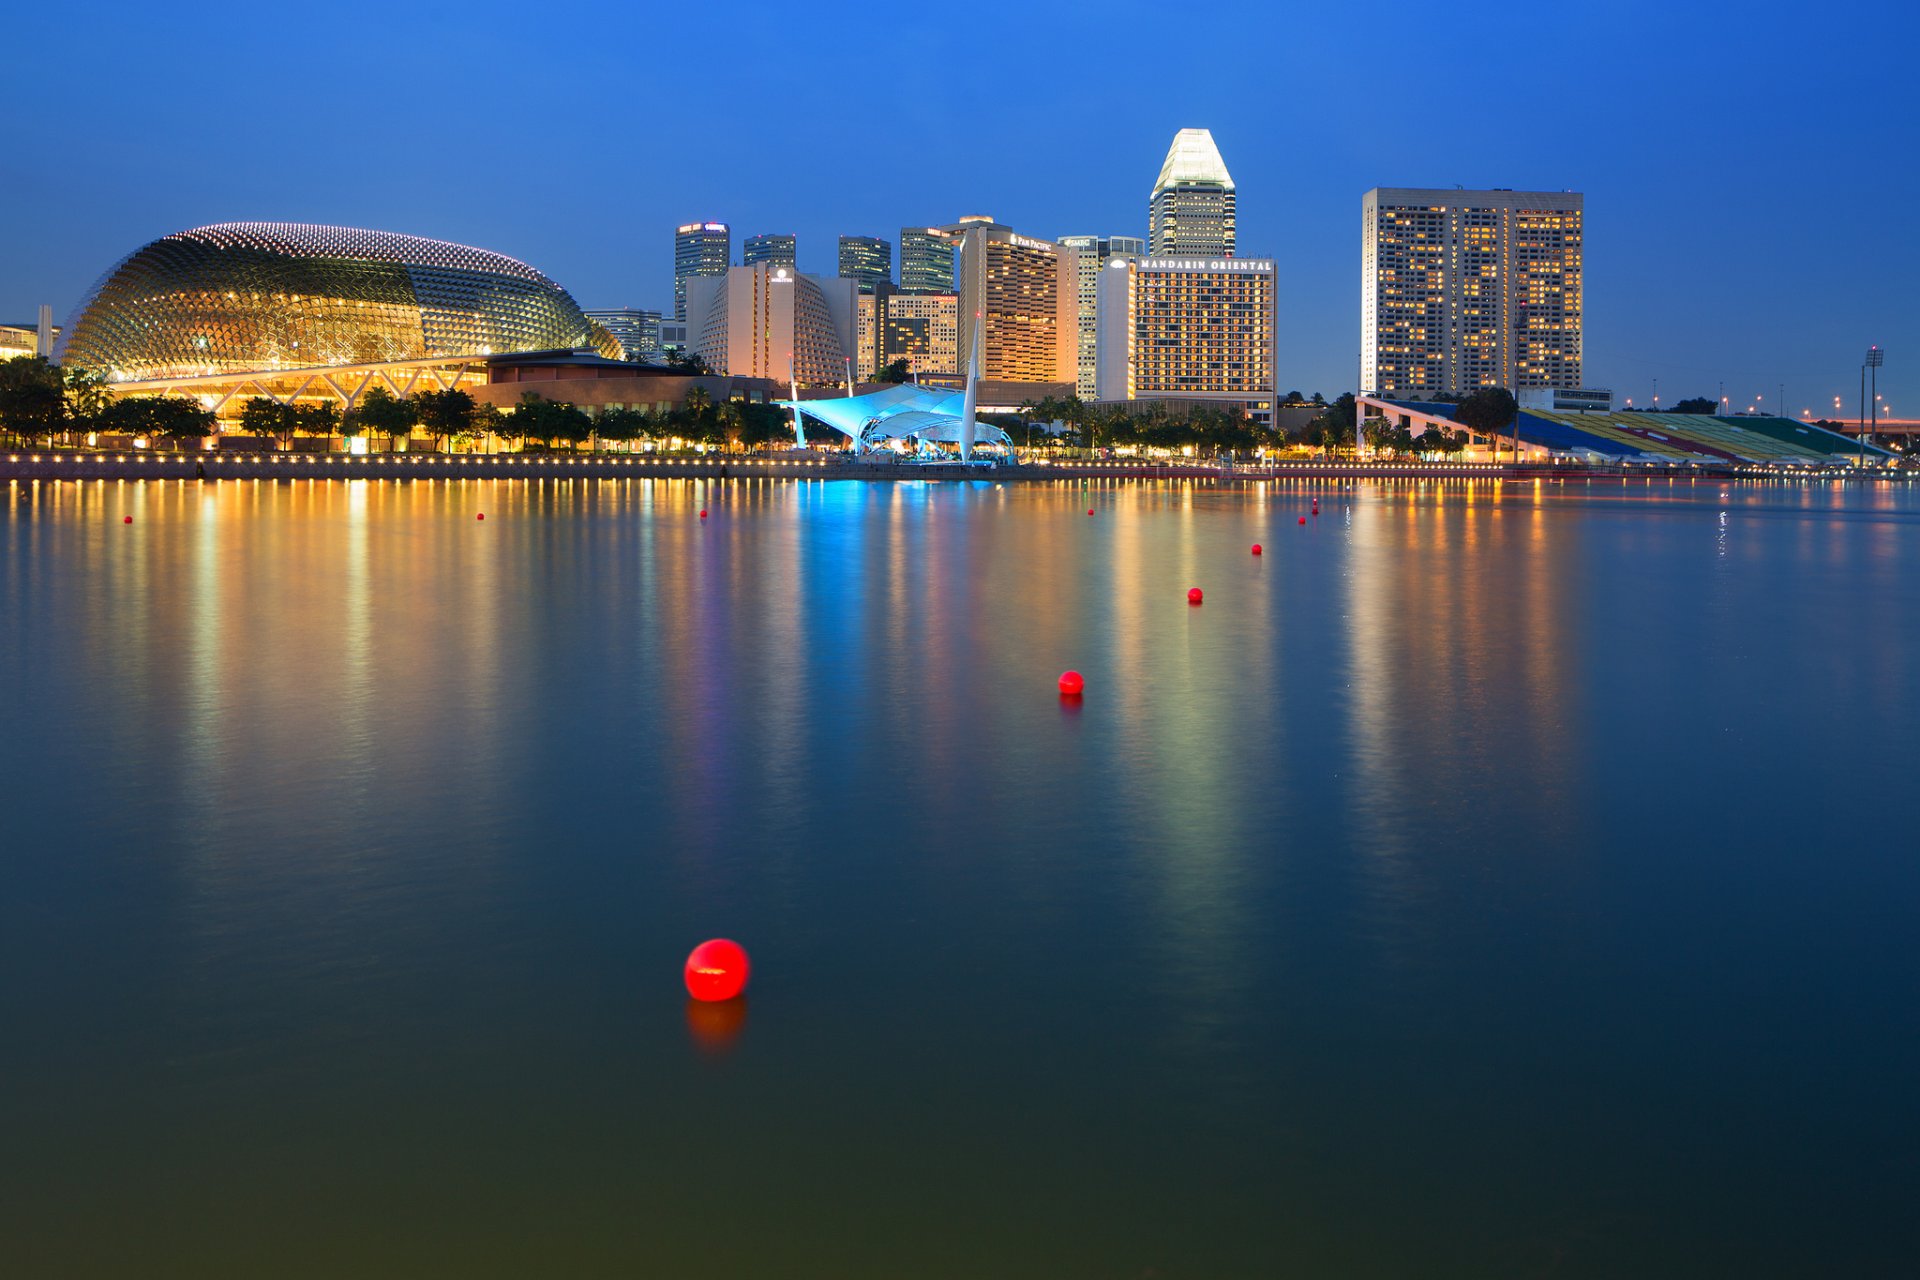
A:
{"x":900,"y":412}
{"x":1193,"y":158}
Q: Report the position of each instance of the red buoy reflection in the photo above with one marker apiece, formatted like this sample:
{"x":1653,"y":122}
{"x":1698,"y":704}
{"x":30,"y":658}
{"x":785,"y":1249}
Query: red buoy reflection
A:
{"x":716,"y":1024}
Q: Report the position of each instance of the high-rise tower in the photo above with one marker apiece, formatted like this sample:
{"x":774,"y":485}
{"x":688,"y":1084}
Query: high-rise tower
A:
{"x":866,"y":259}
{"x":1095,"y":252}
{"x":1191,"y":210}
{"x":699,"y":249}
{"x":1467,"y":289}
{"x":781,"y":248}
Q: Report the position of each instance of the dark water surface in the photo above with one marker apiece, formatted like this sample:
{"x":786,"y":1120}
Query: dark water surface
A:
{"x":1482,"y":882}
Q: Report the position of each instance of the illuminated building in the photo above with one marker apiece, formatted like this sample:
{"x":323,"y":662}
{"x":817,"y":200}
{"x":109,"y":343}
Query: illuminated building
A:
{"x":1026,"y":293}
{"x":1191,"y":210}
{"x":1177,"y":328}
{"x":775,"y":248}
{"x":637,"y":332}
{"x":924,"y":330}
{"x":770,"y":321}
{"x":699,"y":249}
{"x":1095,"y":252}
{"x":867,"y":260}
{"x":291,"y":310}
{"x":926,"y":260}
{"x":1466,"y":289}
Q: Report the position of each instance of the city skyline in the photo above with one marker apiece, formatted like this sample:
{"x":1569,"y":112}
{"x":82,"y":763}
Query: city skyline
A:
{"x":1793,"y":292}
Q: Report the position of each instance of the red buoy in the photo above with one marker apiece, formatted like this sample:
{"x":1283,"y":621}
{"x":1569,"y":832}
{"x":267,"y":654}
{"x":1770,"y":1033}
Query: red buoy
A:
{"x":1256,"y":548}
{"x":1316,"y":506}
{"x":717,"y":970}
{"x":1303,"y":519}
{"x":479,"y":515}
{"x":1193,"y":595}
{"x":703,"y":513}
{"x":1089,"y":510}
{"x":1072,"y":684}
{"x":126,"y":519}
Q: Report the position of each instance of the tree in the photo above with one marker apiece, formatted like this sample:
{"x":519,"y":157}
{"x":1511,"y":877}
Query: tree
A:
{"x":488,"y":420}
{"x":1699,"y":404}
{"x":260,"y":416}
{"x":382,"y":411}
{"x":620,"y":424}
{"x":318,"y":419}
{"x":688,"y":362}
{"x":444,"y":414}
{"x":87,"y":395}
{"x":1489,"y":412}
{"x":164,"y":417}
{"x":895,"y":371}
{"x":32,"y":399}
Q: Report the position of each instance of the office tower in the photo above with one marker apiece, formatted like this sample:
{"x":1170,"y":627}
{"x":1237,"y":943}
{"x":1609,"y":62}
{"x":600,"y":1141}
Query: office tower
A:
{"x":926,"y":260}
{"x":1189,"y":328}
{"x":868,"y":260}
{"x":637,"y":332}
{"x":1191,"y":209}
{"x":1095,"y":252}
{"x":769,"y":321}
{"x":778,"y":248}
{"x":1467,"y":289}
{"x":1026,"y":293}
{"x":699,"y":249}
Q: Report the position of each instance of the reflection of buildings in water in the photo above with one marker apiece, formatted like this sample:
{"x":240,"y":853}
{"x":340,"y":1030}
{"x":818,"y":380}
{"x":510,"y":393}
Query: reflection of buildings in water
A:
{"x":1461,"y":601}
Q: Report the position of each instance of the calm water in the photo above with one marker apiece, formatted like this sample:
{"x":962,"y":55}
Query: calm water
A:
{"x":1480,"y":883}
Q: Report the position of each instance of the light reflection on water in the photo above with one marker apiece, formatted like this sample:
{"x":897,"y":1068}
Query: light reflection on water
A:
{"x":1486,"y":879}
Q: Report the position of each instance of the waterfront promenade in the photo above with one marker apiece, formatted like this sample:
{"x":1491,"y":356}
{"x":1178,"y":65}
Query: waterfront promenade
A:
{"x":61,"y":464}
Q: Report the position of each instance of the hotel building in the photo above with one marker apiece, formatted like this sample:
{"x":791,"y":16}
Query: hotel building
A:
{"x":699,"y":249}
{"x":866,"y":260}
{"x":1026,"y":294}
{"x":776,"y":248}
{"x":1191,"y":210}
{"x":769,"y":321}
{"x":1467,"y":289}
{"x":1095,"y":252}
{"x":1189,"y":329}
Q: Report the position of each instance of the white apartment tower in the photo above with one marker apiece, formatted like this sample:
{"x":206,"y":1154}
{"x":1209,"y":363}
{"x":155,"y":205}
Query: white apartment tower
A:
{"x":1191,"y":210}
{"x":1467,"y":289}
{"x":1095,"y":252}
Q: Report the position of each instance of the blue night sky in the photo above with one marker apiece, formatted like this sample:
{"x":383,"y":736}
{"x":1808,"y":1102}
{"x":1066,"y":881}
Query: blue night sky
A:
{"x":576,"y":138}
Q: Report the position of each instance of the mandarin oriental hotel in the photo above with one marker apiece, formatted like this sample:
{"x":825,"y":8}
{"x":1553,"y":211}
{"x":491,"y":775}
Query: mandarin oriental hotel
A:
{"x":1194,"y":328}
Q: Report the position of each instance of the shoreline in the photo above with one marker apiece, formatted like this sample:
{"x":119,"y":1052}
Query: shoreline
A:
{"x":162,"y":465}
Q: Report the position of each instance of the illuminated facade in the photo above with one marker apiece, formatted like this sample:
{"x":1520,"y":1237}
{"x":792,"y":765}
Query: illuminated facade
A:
{"x":924,"y":330}
{"x":637,"y":332}
{"x":1095,"y":252}
{"x":1191,"y":210}
{"x":1189,"y":328}
{"x":1466,"y":289}
{"x":866,"y":260}
{"x":1026,"y":293}
{"x":927,"y":260}
{"x":244,"y":304}
{"x":770,"y":321}
{"x":699,"y":249}
{"x":780,"y":248}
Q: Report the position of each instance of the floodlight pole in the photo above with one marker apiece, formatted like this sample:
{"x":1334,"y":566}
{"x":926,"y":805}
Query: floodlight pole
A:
{"x":1874,"y":358}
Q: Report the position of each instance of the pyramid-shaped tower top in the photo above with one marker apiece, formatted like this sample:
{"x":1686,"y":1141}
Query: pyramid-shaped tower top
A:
{"x":1193,"y":159}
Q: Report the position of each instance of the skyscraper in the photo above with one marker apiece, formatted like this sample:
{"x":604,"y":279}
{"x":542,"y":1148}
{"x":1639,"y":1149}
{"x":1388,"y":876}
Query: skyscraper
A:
{"x":1026,"y":294}
{"x":1191,"y":210}
{"x":1189,"y":328}
{"x":926,"y":260}
{"x":777,"y":247}
{"x":699,"y":249}
{"x":769,"y":321}
{"x":637,"y":332}
{"x":866,"y":259}
{"x":1466,"y":289}
{"x":1095,"y":251}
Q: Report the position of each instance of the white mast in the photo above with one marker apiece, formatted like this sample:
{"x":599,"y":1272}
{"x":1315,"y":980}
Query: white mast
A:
{"x":968,"y":423}
{"x":799,"y":432}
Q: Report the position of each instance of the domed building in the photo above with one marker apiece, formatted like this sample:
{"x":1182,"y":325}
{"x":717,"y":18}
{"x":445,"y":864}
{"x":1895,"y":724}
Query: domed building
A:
{"x":296,"y":310}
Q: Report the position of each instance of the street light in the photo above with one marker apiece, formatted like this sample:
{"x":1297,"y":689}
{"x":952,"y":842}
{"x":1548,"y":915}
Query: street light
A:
{"x":1875,"y":356}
